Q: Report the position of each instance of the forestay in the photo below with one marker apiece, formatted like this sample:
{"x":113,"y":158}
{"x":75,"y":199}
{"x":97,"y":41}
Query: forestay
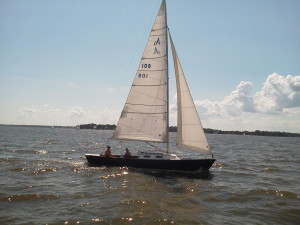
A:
{"x":144,"y":116}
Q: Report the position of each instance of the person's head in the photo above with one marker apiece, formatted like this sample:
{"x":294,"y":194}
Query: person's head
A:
{"x":108,"y":147}
{"x":126,"y":149}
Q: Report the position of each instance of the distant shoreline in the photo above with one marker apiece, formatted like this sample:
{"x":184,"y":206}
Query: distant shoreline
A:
{"x":93,"y":126}
{"x":41,"y":126}
{"x":206,"y":130}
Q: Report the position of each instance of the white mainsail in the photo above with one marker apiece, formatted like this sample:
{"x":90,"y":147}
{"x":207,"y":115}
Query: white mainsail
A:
{"x":145,"y":114}
{"x":190,"y":133}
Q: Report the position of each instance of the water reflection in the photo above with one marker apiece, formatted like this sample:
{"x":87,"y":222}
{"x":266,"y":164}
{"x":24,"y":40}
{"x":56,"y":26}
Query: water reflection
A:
{"x":205,"y":175}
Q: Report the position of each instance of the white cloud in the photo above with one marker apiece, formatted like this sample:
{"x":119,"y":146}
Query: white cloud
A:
{"x":239,"y":100}
{"x":49,"y":115}
{"x":108,"y":116}
{"x":76,"y":112}
{"x":278,"y":93}
{"x":28,"y":109}
{"x":46,"y":109}
{"x":278,"y":100}
{"x":73,"y":85}
{"x":42,"y":109}
{"x":74,"y":115}
{"x":291,"y":111}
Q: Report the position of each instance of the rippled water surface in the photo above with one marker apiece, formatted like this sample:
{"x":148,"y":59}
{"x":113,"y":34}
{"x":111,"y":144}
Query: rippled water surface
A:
{"x":45,"y":180}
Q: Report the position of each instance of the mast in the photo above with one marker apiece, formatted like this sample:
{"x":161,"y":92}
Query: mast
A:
{"x":167,"y":76}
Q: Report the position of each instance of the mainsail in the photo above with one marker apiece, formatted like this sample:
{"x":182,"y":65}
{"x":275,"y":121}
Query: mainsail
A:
{"x":145,"y":114}
{"x":190,"y":133}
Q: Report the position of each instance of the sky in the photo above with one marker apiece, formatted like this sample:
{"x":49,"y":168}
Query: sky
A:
{"x":72,"y":62}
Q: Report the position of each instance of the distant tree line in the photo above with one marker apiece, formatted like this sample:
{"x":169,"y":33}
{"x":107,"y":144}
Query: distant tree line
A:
{"x":206,"y":130}
{"x":97,"y":126}
{"x":257,"y":133}
{"x":40,"y":126}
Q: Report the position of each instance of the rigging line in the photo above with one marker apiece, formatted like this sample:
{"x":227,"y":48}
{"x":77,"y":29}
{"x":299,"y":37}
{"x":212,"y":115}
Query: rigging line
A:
{"x":157,"y":148}
{"x":108,"y":139}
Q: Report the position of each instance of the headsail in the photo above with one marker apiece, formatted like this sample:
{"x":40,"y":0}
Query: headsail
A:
{"x":190,"y":133}
{"x":144,"y":116}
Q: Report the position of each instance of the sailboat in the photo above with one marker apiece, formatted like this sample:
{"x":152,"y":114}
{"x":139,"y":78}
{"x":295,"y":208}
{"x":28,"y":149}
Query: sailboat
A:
{"x":145,"y":116}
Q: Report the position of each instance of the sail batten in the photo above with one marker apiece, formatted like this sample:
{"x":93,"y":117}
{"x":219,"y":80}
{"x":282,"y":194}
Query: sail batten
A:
{"x":143,"y":104}
{"x":158,"y":30}
{"x":145,"y":113}
{"x":146,"y":85}
{"x":157,"y":57}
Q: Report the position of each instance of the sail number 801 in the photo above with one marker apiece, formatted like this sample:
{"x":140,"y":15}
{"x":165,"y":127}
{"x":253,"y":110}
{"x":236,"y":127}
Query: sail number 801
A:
{"x":143,"y":75}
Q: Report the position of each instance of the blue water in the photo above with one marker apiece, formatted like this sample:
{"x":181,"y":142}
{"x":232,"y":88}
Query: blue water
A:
{"x":45,"y":180}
